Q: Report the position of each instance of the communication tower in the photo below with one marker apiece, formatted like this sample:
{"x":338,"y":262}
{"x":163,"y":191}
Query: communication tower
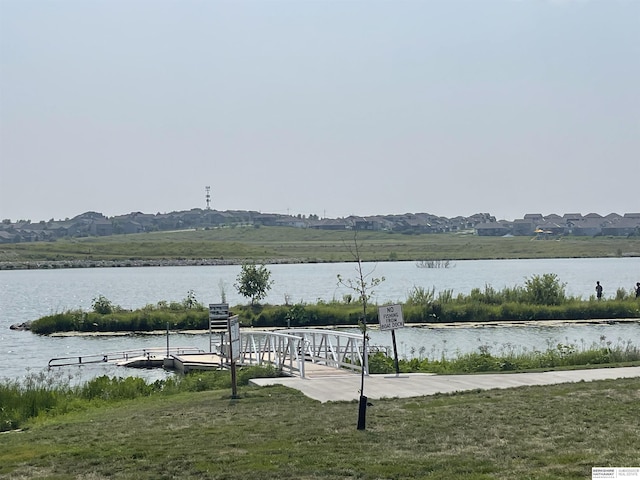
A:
{"x":207,"y":190}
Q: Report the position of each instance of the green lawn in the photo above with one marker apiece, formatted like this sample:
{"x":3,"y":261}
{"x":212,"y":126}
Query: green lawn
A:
{"x":304,"y":245}
{"x":550,"y":432}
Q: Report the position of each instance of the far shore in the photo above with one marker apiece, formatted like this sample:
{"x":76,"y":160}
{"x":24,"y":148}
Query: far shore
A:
{"x":168,"y":262}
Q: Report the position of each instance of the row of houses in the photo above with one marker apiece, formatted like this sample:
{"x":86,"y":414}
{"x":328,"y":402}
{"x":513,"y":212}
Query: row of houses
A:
{"x":404,"y":223}
{"x":96,"y":224}
{"x":554,"y":225}
{"x":87,"y":224}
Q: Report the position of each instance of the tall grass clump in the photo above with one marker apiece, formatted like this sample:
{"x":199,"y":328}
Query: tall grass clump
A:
{"x":509,"y":359}
{"x":47,"y":394}
{"x":35,"y":395}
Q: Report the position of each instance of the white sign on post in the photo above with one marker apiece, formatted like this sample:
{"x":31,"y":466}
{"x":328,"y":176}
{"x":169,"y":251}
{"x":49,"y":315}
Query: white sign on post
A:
{"x":234,"y":337}
{"x":390,"y":317}
{"x":218,"y":311}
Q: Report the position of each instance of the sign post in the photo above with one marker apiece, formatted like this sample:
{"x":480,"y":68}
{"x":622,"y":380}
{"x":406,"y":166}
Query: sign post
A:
{"x":234,"y":351}
{"x":218,"y":316}
{"x":390,"y":318}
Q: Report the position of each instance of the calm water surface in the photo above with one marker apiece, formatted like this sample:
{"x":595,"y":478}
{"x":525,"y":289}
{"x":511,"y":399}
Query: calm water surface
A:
{"x":30,"y":294}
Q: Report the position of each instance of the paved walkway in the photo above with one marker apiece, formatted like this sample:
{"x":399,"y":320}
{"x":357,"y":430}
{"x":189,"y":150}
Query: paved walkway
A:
{"x":346,"y":386}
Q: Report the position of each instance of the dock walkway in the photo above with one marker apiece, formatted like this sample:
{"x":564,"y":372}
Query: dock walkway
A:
{"x":212,"y":361}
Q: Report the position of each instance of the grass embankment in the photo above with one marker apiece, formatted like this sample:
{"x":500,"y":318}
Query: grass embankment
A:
{"x":306,"y":245}
{"x":550,"y":432}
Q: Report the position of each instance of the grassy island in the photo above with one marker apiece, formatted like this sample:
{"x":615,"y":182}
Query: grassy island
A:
{"x":541,"y":298}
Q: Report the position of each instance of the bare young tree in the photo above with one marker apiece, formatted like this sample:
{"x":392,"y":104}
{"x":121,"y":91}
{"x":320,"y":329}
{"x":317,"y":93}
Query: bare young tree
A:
{"x":363,"y":285}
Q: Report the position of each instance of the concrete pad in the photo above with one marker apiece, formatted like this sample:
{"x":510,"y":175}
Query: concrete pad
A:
{"x":346,"y":387}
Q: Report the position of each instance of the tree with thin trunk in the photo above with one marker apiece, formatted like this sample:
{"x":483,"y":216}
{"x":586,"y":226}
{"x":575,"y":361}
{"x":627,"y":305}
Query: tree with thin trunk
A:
{"x":363,"y":285}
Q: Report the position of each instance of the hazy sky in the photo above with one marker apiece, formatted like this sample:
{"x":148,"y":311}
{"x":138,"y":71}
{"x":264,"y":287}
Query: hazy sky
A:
{"x":319,"y":107}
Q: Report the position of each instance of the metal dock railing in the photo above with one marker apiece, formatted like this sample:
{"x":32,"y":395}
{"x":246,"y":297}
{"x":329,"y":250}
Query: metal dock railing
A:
{"x":113,"y":357}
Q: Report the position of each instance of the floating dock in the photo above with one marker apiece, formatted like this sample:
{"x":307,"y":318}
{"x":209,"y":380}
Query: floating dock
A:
{"x":141,"y":358}
{"x":142,"y":361}
{"x":194,"y":361}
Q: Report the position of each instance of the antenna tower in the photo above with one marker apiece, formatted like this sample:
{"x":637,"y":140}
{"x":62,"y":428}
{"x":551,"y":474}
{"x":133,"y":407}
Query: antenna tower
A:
{"x":207,"y":190}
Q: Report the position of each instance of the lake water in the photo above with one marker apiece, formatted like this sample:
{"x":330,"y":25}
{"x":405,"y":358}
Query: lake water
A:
{"x":29,"y":294}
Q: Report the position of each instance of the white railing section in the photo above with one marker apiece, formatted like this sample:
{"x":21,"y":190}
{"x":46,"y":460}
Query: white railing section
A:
{"x":276,"y":348}
{"x":287,"y":350}
{"x":290,"y":349}
{"x":333,"y":348}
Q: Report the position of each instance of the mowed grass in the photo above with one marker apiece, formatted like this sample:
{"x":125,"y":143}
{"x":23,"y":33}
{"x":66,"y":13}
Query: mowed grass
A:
{"x":550,"y":432}
{"x":305,"y":245}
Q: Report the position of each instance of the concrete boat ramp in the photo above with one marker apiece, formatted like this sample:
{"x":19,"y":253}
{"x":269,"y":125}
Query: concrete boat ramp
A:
{"x":346,"y":386}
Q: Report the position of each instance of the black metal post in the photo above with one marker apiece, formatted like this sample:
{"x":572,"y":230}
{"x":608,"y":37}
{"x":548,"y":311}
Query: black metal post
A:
{"x":395,"y":352}
{"x":362,"y":413}
{"x":234,"y":381}
{"x":362,"y":408}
